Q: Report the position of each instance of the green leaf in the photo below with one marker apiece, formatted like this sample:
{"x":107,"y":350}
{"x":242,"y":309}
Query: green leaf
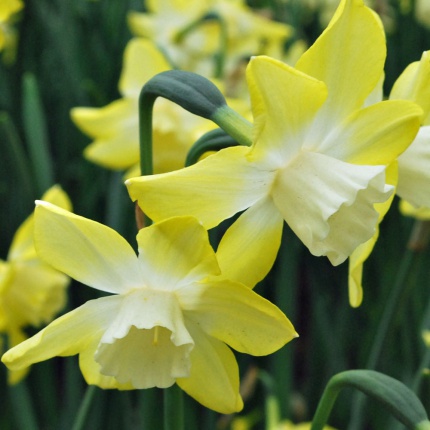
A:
{"x":36,"y":134}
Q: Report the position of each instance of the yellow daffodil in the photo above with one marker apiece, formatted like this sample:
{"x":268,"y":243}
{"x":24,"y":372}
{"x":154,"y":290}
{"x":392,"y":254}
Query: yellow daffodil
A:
{"x":246,"y":32}
{"x":414,"y":164}
{"x":31,"y":292}
{"x":8,"y":9}
{"x":318,"y":158}
{"x":168,"y":319}
{"x":115,"y":127}
{"x":411,"y":173}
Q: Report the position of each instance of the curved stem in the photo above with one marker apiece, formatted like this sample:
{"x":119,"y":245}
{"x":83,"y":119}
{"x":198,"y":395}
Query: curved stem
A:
{"x":213,"y":140}
{"x":391,"y":393}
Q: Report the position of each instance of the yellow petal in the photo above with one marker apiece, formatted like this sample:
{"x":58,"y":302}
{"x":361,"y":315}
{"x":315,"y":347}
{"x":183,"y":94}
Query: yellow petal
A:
{"x":115,"y":129}
{"x":67,"y":335}
{"x":212,"y":190}
{"x":180,"y":244}
{"x":214,"y":378}
{"x":15,"y":337}
{"x":85,"y":250}
{"x":106,"y":121}
{"x":141,"y":24}
{"x":116,"y":152}
{"x":348,"y":57}
{"x":409,"y":210}
{"x":237,"y":316}
{"x":375,"y":135}
{"x":356,"y":261}
{"x":142,"y":61}
{"x":362,"y":252}
{"x":9,"y":7}
{"x":284,"y":103}
{"x":248,"y":249}
{"x":34,"y":294}
{"x":22,"y":247}
{"x":414,"y":84}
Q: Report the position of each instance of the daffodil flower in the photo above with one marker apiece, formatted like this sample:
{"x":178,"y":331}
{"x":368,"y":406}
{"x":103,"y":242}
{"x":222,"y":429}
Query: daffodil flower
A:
{"x":410,"y":174}
{"x":317,"y":161}
{"x":414,"y":164}
{"x":115,"y":127}
{"x":168,"y":319}
{"x":31,"y":292}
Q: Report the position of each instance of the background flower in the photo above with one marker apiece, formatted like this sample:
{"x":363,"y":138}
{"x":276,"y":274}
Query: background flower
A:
{"x":31,"y":291}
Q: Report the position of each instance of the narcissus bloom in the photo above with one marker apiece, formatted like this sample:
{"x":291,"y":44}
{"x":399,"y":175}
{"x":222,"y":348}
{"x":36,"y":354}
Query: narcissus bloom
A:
{"x":169,"y":318}
{"x":246,"y":32}
{"x":318,"y":158}
{"x":31,"y":291}
{"x":414,"y":164}
{"x":411,"y":173}
{"x":115,"y":127}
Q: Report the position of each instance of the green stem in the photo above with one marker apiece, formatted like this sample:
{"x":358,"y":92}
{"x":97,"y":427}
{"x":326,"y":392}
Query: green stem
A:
{"x":173,"y":408}
{"x":239,"y":128}
{"x":173,"y":396}
{"x":146,"y":105}
{"x":81,"y":417}
{"x":213,"y":140}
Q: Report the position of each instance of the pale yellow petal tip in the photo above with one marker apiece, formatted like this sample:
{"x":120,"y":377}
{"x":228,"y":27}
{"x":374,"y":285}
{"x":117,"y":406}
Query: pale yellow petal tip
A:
{"x":426,"y":338}
{"x":355,"y":291}
{"x":407,"y":209}
{"x":8,"y":358}
{"x":43,"y":203}
{"x":57,"y":196}
{"x":16,"y":376}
